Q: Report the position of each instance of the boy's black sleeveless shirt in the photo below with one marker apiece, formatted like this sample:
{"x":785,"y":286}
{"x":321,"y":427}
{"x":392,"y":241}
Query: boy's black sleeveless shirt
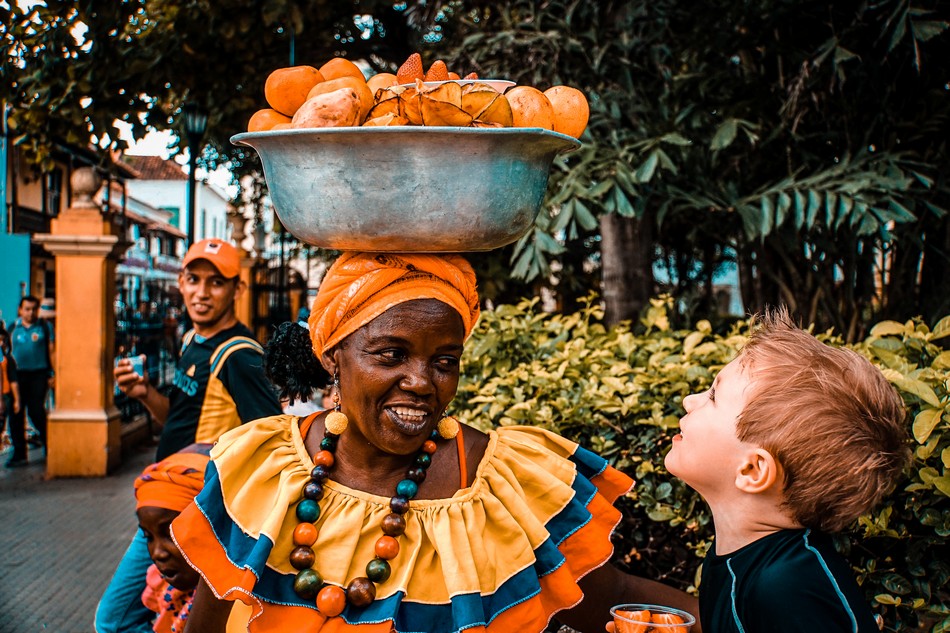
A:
{"x":790,"y":581}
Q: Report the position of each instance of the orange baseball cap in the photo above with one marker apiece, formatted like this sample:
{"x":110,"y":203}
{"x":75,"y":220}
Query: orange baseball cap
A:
{"x":220,"y":254}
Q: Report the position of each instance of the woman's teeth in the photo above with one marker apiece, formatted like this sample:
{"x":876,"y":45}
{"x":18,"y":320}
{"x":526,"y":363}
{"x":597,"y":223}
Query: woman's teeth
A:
{"x":409,"y":415}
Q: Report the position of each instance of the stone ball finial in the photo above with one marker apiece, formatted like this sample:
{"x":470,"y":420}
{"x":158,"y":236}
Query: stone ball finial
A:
{"x":85,"y":182}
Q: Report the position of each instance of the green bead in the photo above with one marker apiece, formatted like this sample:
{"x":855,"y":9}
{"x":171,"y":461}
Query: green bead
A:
{"x":407,"y":488}
{"x":423,"y":459}
{"x":307,"y":584}
{"x":378,"y":570}
{"x":308,"y":511}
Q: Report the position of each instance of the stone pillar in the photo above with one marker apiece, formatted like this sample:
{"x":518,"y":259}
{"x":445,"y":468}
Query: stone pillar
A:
{"x":83,"y":434}
{"x":242,"y":306}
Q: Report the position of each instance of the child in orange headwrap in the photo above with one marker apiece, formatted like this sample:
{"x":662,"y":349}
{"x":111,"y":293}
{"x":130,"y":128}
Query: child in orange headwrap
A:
{"x":162,"y":491}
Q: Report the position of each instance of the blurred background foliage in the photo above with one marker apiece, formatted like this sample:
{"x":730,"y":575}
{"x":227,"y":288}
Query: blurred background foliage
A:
{"x":803,"y":143}
{"x":619,"y":391}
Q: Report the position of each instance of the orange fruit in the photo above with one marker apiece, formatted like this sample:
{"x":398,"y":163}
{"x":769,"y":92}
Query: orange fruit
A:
{"x":341,"y":67}
{"x":382,"y":80}
{"x":363,"y":92}
{"x":570,"y":110}
{"x":286,"y":88}
{"x":410,"y":70}
{"x":530,"y":108}
{"x":471,"y":76}
{"x":266,"y":119}
{"x":670,"y":618}
{"x":453,"y":75}
{"x":631,"y":621}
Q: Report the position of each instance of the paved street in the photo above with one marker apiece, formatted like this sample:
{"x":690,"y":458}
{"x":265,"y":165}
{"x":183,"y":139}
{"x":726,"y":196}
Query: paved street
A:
{"x":60,"y":541}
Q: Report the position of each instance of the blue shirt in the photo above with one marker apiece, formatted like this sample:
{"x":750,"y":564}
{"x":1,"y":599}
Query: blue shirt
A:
{"x":30,"y":345}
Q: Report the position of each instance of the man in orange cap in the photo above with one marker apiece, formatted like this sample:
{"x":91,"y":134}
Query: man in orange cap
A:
{"x":219,"y":384}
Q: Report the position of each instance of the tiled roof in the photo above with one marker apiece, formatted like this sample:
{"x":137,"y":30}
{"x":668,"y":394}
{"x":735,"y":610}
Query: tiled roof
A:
{"x":155,"y":168}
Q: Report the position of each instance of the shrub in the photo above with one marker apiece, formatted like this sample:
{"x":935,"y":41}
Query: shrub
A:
{"x":619,"y":392}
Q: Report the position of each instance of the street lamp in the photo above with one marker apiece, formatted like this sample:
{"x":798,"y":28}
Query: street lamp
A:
{"x":196,"y":121}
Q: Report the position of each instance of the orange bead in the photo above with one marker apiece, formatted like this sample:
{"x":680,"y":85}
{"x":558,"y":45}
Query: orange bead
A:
{"x":387,"y":547}
{"x":323,"y":458}
{"x":306,"y":534}
{"x":331,"y":601}
{"x":429,"y":447}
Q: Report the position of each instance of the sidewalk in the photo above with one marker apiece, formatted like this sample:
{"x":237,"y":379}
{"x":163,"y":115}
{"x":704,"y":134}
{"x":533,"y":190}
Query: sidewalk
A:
{"x":61,"y":540}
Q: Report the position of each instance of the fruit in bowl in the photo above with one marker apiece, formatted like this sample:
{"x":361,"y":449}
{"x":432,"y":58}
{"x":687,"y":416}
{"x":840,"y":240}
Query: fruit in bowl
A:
{"x":304,"y":97}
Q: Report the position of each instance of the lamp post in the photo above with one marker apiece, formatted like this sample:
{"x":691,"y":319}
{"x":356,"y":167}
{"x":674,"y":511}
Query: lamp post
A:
{"x":196,"y":121}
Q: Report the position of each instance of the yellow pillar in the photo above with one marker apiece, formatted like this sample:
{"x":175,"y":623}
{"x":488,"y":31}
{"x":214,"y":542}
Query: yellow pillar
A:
{"x":83,"y":433}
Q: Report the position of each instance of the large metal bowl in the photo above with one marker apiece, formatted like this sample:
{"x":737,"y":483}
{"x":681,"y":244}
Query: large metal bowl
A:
{"x":411,"y":189}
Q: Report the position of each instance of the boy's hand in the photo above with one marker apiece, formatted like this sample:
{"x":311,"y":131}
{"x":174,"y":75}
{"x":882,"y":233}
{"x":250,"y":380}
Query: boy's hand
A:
{"x":128,"y":381}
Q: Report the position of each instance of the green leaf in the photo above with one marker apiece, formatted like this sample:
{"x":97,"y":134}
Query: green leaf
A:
{"x":781,"y":209}
{"x":767,"y":210}
{"x":925,"y":422}
{"x":814,"y":204}
{"x":645,"y":171}
{"x":927,"y":29}
{"x":889,"y":328}
{"x":917,"y":388}
{"x":941,"y":330}
{"x":725,"y":135}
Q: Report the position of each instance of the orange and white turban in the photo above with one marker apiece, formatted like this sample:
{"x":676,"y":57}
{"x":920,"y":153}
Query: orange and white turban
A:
{"x":361,"y":286}
{"x":172,"y":483}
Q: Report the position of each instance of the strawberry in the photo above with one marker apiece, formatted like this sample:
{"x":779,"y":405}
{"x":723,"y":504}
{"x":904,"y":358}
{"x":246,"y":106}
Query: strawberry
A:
{"x":437,"y":71}
{"x":410,"y":70}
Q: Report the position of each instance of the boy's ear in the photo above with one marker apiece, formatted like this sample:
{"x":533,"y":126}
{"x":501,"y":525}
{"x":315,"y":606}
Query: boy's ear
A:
{"x":760,"y":471}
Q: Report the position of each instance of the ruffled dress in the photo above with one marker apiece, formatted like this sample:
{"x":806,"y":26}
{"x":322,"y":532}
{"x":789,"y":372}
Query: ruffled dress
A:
{"x":502,"y":555}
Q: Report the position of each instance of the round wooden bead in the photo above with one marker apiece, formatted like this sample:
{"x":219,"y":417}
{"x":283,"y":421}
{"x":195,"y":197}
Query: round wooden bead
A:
{"x":424,"y":460}
{"x":302,"y":557}
{"x":407,"y":488}
{"x":323,"y":458}
{"x":313,"y":490}
{"x":328,"y":443}
{"x":306,"y":534}
{"x":387,"y":547}
{"x":417,"y":474}
{"x":308,"y":511}
{"x":320,"y":474}
{"x":331,"y":601}
{"x":429,"y":447}
{"x":399,"y":505}
{"x":378,"y":570}
{"x":360,"y":592}
{"x":393,"y":524}
{"x":307,"y":583}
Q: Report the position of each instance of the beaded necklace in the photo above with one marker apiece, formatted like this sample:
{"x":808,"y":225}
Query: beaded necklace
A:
{"x":361,"y":591}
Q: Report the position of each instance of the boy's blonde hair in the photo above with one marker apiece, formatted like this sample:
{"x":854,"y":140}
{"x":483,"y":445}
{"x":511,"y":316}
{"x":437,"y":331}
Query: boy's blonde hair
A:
{"x":834,"y":423}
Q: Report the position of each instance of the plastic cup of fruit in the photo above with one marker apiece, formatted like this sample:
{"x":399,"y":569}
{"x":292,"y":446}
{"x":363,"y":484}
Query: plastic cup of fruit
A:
{"x":650,"y":618}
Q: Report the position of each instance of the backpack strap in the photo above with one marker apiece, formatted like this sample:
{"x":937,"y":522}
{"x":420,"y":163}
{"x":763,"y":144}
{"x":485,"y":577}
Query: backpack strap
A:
{"x":225,"y":349}
{"x":186,"y":341}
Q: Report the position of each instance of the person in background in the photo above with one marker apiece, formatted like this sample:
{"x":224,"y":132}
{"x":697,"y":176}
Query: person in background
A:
{"x":219,"y":384}
{"x":162,"y":491}
{"x":33,"y":349}
{"x":9,"y":390}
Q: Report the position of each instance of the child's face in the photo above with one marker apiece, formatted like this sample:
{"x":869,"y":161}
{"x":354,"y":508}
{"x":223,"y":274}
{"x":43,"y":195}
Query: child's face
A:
{"x":706,"y":454}
{"x":155,"y":523}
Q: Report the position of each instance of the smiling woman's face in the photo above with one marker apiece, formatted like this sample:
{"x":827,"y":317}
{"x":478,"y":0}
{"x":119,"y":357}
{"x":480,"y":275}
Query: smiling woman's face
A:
{"x":399,"y":372}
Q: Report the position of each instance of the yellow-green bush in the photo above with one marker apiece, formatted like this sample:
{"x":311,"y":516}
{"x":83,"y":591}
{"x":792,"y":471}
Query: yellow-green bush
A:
{"x":619,"y":393}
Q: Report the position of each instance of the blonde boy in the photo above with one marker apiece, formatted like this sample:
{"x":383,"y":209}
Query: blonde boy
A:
{"x":793,"y":440}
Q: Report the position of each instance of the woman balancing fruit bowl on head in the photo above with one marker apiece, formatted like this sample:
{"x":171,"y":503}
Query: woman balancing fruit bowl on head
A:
{"x":386,"y":515}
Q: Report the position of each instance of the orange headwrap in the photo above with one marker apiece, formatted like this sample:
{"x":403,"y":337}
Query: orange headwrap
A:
{"x":361,"y":286}
{"x":171,"y":483}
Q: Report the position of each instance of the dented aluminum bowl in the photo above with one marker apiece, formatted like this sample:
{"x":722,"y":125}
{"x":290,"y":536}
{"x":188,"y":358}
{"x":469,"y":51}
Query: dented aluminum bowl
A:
{"x":407,"y":189}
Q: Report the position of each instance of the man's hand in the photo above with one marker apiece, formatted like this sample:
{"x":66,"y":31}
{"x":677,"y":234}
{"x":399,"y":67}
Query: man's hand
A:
{"x":130,"y":383}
